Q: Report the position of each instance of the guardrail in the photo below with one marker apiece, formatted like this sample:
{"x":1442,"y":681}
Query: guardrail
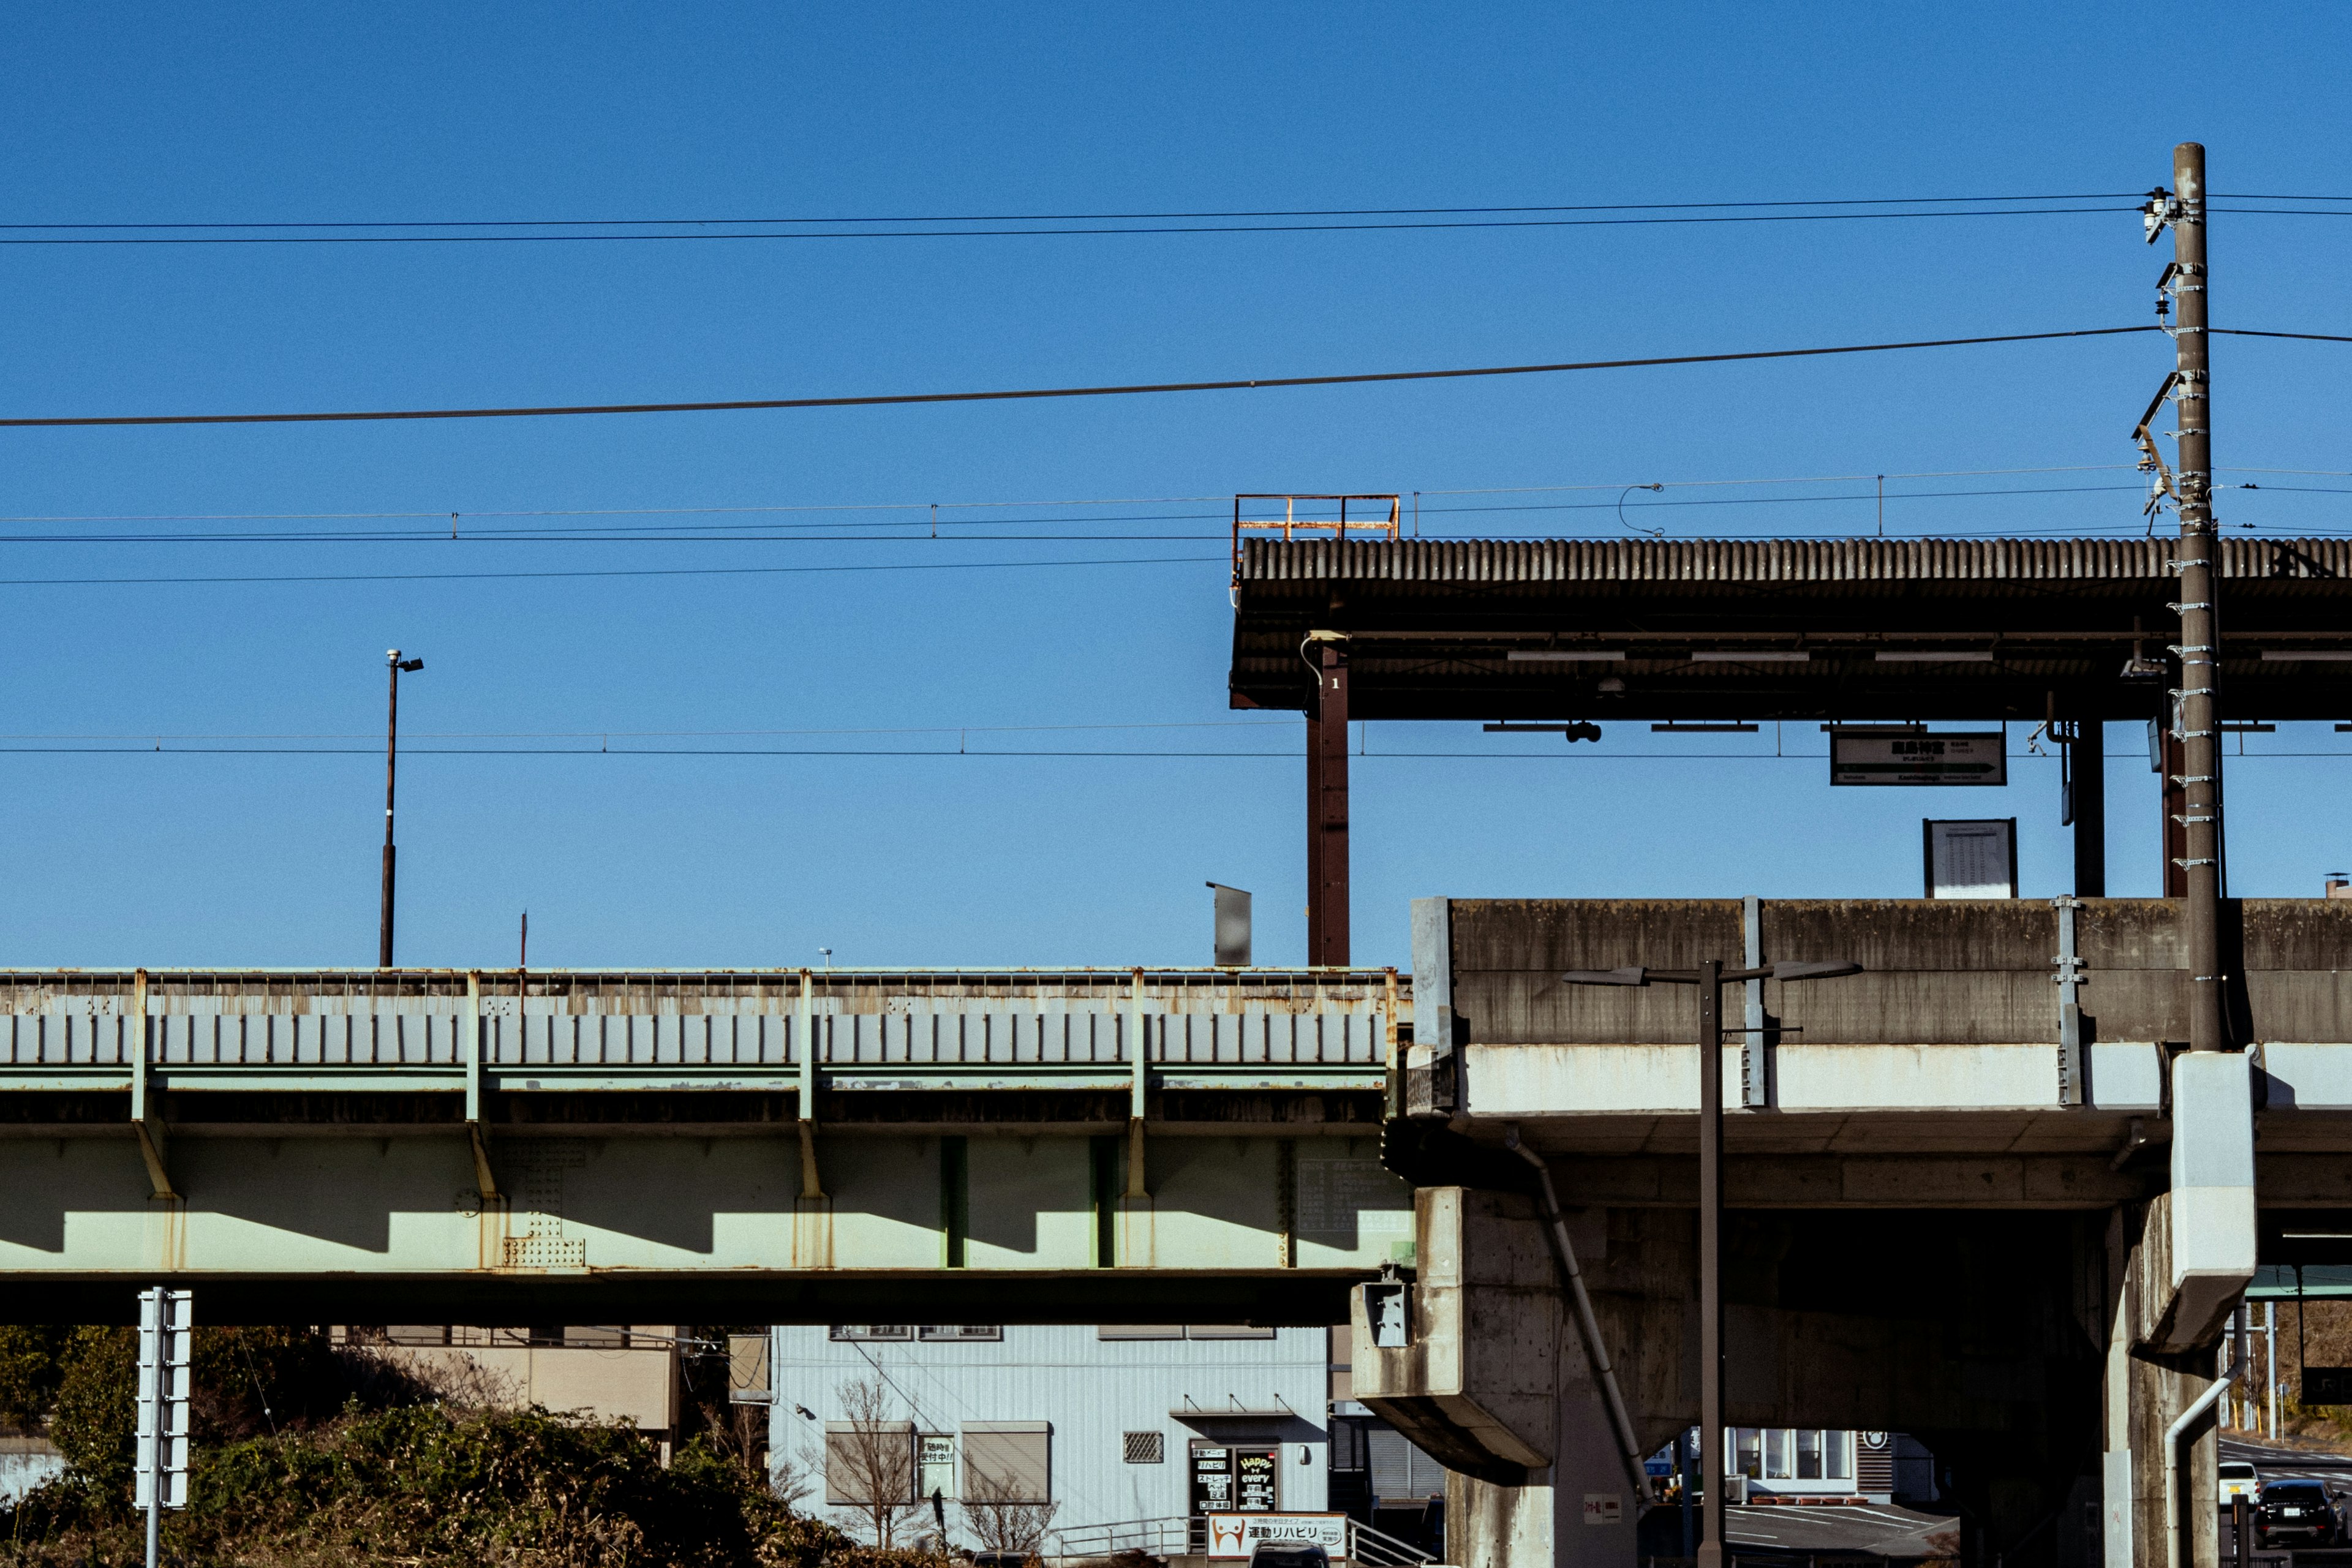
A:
{"x":1155,"y":1537}
{"x":524,"y":1030}
{"x":1175,"y":1536}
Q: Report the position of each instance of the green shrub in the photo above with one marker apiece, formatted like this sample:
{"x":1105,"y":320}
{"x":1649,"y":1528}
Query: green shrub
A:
{"x":425,"y":1485}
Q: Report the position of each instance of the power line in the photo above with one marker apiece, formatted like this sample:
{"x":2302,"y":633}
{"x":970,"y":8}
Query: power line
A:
{"x":444,"y":515}
{"x":609,"y":733}
{"x":1121,"y":217}
{"x":1041,"y":232}
{"x":638,"y":535}
{"x":2306,"y":337}
{"x":618,"y":571}
{"x":1287,"y":755}
{"x":460,"y":231}
{"x":1033,"y":393}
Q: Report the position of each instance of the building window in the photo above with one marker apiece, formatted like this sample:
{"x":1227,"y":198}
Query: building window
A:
{"x":870,"y":1331}
{"x":1791,"y":1454}
{"x":935,"y":1465}
{"x":1143,"y":1447}
{"x":959,"y":1332}
{"x":1139,"y":1332}
{"x":1226,"y":1332}
{"x":1007,"y":1462}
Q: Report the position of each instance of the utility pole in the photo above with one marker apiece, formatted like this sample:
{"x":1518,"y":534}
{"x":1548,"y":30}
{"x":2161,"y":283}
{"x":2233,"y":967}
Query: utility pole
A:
{"x":390,"y":758}
{"x":1711,"y":1465}
{"x":2194,"y":717}
{"x":1710,"y":977}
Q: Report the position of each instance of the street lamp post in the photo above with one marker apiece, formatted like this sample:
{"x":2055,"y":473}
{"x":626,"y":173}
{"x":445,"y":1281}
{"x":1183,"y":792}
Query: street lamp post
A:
{"x":391,"y":756}
{"x":1710,"y":978}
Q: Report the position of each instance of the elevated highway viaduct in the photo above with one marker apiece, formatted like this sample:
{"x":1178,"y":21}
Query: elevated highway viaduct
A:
{"x":564,"y":1146}
{"x":1965,"y":1200}
{"x":1977,"y":1192}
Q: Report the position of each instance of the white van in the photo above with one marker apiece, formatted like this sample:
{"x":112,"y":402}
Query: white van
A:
{"x":2239,"y":1481}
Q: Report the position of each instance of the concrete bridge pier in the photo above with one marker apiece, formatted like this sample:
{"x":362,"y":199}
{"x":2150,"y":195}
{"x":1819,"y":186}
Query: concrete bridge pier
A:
{"x":2041,"y":1354}
{"x":1478,"y":1360}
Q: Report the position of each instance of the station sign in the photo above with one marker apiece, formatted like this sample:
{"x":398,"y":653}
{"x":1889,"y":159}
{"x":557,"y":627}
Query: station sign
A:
{"x":1236,"y":1534}
{"x":1916,"y":757}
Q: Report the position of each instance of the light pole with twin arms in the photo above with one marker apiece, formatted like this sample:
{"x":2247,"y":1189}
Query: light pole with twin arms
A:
{"x":1710,"y":977}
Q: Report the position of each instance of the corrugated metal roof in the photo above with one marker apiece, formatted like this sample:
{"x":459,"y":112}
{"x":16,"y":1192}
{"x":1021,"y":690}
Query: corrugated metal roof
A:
{"x":1814,"y":561}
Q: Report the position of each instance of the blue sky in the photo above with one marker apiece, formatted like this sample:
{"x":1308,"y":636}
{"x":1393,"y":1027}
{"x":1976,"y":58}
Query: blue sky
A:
{"x":148,"y":113}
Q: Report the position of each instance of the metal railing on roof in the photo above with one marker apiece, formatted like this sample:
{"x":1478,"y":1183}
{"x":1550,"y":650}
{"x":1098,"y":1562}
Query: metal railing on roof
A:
{"x":1291,"y":526}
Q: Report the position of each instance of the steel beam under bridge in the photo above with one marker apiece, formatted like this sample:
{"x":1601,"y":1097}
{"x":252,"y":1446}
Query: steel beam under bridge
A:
{"x":1080,"y":1145}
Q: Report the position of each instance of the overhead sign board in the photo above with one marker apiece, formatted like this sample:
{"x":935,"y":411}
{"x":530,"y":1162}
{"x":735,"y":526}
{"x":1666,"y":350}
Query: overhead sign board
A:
{"x":2328,"y":1386}
{"x":1234,"y":1534}
{"x":1886,"y":757}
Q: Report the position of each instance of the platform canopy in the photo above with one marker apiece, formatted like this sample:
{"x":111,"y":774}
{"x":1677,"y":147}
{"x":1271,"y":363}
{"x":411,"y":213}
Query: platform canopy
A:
{"x":1762,"y":630}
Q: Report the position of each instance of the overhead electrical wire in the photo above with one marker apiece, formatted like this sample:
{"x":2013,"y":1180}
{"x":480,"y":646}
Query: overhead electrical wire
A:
{"x":617,"y":571}
{"x":1119,"y":216}
{"x":501,"y":231}
{"x":1023,"y":393}
{"x":804,"y":236}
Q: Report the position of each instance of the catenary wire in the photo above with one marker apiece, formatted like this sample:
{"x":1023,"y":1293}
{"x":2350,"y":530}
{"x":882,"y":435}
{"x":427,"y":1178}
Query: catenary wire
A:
{"x":641,"y":534}
{"x":1117,"y":216}
{"x":616,"y":571}
{"x":441,"y":514}
{"x":1039,"y":233}
{"x":1022,"y":394}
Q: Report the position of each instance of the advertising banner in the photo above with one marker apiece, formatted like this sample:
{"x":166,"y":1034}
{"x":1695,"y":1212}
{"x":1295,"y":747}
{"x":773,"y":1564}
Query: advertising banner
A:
{"x":1234,"y":1534}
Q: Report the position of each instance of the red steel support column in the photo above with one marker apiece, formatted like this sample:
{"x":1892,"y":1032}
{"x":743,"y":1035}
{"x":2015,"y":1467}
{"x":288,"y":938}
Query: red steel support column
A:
{"x":1326,"y":811}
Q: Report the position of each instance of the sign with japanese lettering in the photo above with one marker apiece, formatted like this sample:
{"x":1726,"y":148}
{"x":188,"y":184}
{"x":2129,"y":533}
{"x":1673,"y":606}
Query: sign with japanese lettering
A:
{"x":1234,"y":1534}
{"x":1872,"y":757}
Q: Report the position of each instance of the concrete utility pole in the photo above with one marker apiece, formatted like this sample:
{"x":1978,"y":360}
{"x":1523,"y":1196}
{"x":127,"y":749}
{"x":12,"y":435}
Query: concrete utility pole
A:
{"x":1710,"y":977}
{"x":2195,"y":719}
{"x":391,"y":757}
{"x":1712,"y":1468}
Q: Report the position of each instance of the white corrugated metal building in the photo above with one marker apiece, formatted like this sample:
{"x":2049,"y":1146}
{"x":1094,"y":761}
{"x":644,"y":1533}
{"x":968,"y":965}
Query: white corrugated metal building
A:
{"x":1109,"y":1424}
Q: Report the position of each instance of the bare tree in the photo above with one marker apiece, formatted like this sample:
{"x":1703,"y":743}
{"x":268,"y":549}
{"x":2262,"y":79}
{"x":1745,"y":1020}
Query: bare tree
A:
{"x":1000,"y":1514}
{"x":869,"y":1462}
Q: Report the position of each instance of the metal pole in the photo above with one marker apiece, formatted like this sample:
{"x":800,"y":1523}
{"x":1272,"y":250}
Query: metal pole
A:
{"x":2200,"y":745}
{"x":1326,"y":811}
{"x":153,"y":1321}
{"x":1710,"y":1258}
{"x":391,"y":756}
{"x":1682,"y":1467}
{"x":2270,"y":1363}
{"x":2087,"y":760}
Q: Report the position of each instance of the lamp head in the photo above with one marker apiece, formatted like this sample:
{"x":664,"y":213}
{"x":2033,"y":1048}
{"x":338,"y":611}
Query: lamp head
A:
{"x":1827,"y":969}
{"x":1636,"y":976}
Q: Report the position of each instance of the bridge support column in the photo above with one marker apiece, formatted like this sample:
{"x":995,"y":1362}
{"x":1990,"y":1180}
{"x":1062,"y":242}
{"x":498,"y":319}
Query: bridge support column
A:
{"x":2088,"y":764}
{"x":1492,"y":1381}
{"x":1326,"y":808}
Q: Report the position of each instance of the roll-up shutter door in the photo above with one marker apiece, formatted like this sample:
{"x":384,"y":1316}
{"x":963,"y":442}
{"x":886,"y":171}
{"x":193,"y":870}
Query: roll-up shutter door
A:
{"x":860,"y":1460}
{"x":1400,"y":1470}
{"x":1007,"y":1461}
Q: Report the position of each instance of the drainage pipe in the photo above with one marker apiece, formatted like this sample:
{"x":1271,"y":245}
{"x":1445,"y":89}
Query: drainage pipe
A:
{"x":2175,"y":1482}
{"x":1587,"y":1328}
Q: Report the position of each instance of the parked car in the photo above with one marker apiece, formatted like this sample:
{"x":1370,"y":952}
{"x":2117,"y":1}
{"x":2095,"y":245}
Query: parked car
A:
{"x":1289,"y":1554}
{"x":2297,"y":1514}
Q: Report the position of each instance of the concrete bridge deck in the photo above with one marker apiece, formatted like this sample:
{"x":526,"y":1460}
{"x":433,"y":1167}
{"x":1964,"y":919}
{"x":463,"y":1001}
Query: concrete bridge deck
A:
{"x":792,"y":1144}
